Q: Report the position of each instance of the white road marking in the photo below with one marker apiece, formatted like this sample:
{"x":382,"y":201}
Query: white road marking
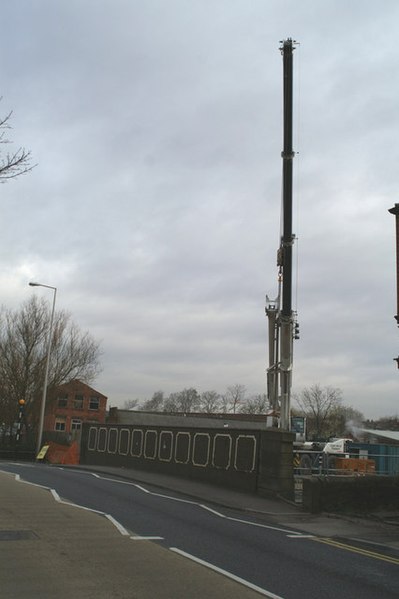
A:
{"x":254,"y":587}
{"x":117,"y":525}
{"x":288,"y":532}
{"x":57,"y":498}
{"x":55,"y":495}
{"x":138,"y":538}
{"x":300,"y":536}
{"x":141,"y":488}
{"x":201,"y":505}
{"x":208,"y":509}
{"x":257,"y":524}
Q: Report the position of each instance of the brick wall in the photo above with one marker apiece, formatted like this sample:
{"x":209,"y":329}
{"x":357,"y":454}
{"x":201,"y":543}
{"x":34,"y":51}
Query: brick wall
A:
{"x":70,"y":405}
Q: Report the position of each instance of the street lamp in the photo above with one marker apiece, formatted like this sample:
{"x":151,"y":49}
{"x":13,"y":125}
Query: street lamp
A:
{"x":50,"y":331}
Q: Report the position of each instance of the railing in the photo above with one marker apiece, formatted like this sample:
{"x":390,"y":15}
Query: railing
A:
{"x":382,"y":462}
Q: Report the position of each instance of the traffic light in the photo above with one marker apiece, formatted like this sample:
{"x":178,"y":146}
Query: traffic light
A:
{"x":296,"y":330}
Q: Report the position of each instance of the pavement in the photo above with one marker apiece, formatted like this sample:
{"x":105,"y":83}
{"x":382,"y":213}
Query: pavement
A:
{"x":50,"y":549}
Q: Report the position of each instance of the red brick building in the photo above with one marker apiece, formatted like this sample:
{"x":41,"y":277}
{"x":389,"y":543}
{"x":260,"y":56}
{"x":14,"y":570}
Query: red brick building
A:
{"x":71,"y":404}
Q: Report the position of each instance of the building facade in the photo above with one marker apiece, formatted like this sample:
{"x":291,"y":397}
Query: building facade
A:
{"x":71,"y":404}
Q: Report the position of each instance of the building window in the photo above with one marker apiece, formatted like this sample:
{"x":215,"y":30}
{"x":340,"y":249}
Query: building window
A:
{"x":59,"y":424}
{"x":62,"y":400}
{"x":78,"y":402}
{"x":94,"y":403}
{"x":76,"y":424}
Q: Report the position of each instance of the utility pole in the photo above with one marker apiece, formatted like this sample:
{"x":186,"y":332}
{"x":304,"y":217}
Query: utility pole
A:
{"x":279,"y":312}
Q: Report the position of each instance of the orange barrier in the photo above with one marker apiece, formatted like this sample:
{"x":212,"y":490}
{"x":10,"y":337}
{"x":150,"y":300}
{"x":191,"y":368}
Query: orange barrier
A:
{"x":63,"y":454}
{"x":355,"y":465}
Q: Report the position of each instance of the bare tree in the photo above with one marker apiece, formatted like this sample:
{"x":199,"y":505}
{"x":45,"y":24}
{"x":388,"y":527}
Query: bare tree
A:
{"x":23,"y":351}
{"x":15,"y":163}
{"x":318,"y":404}
{"x":387,"y":423}
{"x":257,"y":404}
{"x":233,"y":397}
{"x":155,"y":404}
{"x":130,"y":404}
{"x":210,"y":402}
{"x":183,"y":401}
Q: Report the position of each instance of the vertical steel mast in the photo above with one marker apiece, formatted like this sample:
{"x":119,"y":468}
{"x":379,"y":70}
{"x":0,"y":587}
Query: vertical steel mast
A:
{"x":279,"y":311}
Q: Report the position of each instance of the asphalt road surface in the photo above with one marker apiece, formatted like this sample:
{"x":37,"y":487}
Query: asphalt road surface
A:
{"x":283,"y":562}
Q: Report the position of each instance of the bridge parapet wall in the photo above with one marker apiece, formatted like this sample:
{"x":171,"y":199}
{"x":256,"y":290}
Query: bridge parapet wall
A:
{"x":219,"y":456}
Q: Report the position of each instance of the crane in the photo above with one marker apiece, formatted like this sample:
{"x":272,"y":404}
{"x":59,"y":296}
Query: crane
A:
{"x":282,"y":324}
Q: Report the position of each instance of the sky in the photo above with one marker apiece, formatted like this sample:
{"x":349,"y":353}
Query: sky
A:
{"x":155,"y":204}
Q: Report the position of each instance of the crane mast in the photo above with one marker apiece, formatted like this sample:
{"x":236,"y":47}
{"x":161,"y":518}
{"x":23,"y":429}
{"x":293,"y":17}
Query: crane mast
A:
{"x":281,"y":318}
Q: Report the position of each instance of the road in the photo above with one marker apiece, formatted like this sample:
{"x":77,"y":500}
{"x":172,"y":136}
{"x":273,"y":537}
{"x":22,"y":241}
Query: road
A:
{"x":283,"y":562}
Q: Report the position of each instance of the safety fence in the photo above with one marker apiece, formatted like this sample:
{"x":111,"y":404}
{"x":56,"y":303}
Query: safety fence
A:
{"x":361,"y":459}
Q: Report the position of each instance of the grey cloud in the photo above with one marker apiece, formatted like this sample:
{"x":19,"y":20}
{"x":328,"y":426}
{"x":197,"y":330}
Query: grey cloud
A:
{"x":155,"y":204}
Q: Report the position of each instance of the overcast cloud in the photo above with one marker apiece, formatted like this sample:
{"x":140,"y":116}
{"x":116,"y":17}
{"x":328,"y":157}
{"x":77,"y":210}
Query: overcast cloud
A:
{"x":155,"y":205}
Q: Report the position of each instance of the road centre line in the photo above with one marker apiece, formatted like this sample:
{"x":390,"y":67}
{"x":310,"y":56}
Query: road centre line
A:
{"x":254,"y":587}
{"x":358,"y":550}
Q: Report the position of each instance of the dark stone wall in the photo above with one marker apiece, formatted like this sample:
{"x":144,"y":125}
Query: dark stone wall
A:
{"x":250,"y":460}
{"x":276,"y":469}
{"x":340,"y":494}
{"x":225,"y":457}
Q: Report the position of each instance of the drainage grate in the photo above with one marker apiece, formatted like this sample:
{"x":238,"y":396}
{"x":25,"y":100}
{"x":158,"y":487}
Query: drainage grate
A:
{"x":18,"y":535}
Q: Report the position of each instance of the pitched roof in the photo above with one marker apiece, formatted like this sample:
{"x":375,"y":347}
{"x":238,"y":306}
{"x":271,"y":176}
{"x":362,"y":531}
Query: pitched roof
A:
{"x":392,"y":435}
{"x":76,"y":384}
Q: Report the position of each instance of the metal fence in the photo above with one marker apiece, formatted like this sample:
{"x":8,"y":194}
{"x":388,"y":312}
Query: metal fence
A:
{"x":361,"y":459}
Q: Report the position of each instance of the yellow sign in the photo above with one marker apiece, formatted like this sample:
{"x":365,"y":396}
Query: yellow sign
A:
{"x":42,"y":452}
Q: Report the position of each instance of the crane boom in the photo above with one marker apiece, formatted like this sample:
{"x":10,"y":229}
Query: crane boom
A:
{"x":279,"y":312}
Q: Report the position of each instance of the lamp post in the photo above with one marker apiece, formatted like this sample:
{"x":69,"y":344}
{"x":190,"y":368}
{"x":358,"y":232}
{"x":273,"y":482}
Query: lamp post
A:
{"x":50,"y":331}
